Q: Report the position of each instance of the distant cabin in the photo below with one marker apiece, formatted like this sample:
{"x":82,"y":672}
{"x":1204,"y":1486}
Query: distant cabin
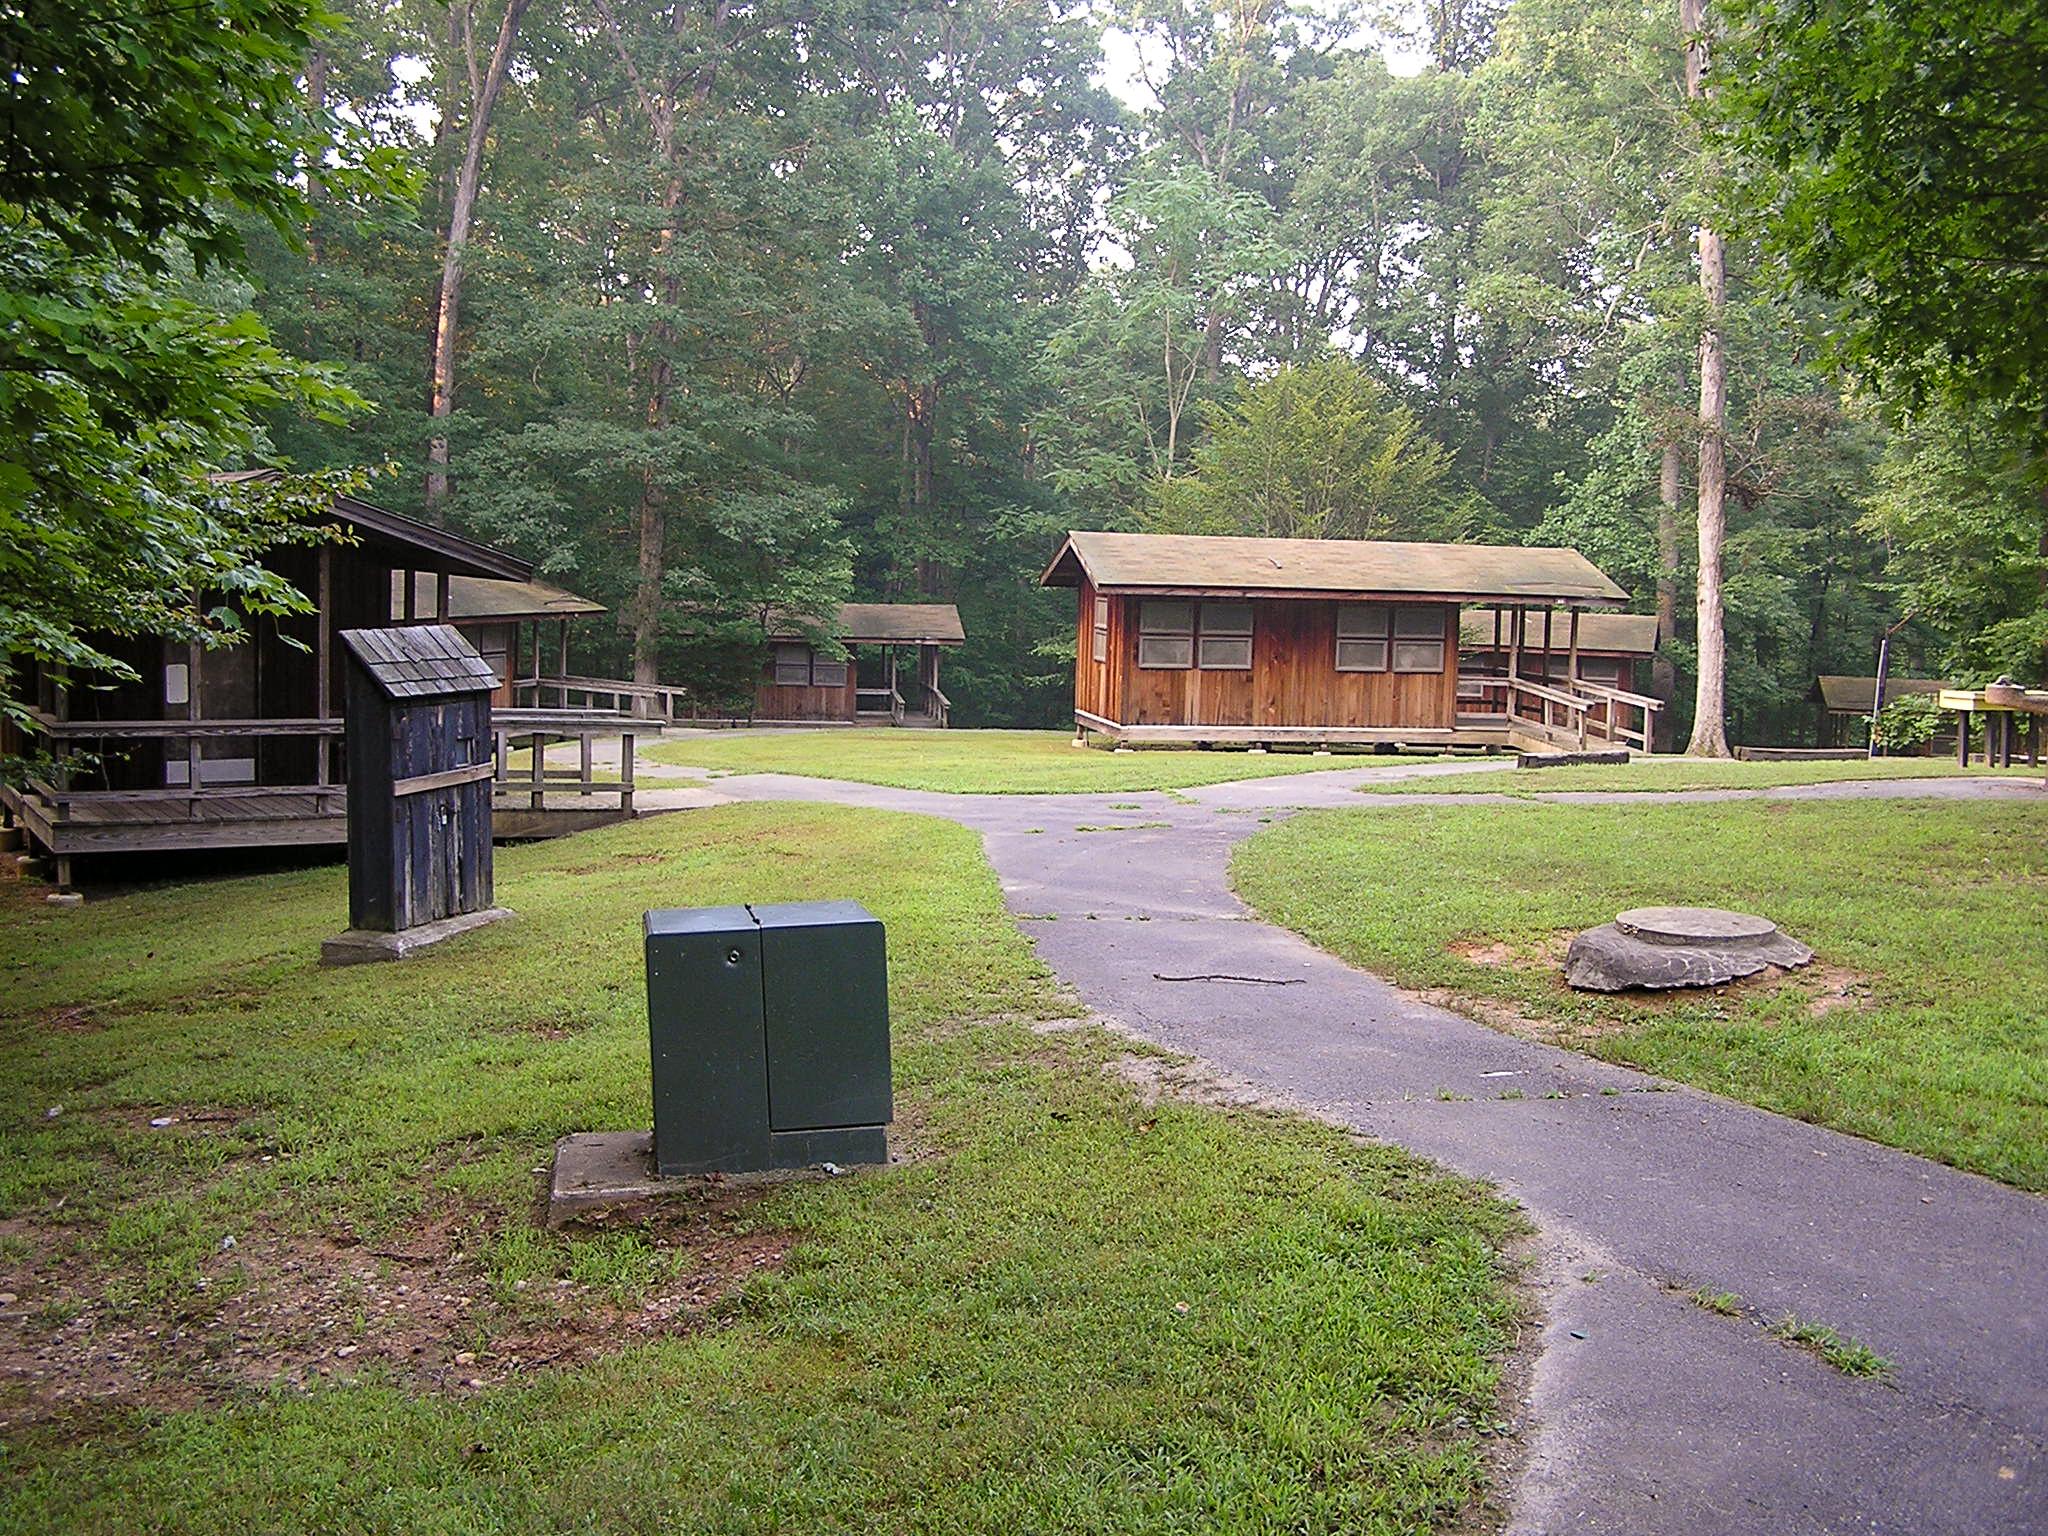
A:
{"x":804,"y":683}
{"x":1213,"y":641}
{"x":1846,"y":702}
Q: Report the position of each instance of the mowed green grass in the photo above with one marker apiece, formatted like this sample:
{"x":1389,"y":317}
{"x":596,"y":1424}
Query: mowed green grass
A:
{"x":1066,"y":1309}
{"x":985,"y":762}
{"x":1938,"y":907}
{"x":1684,"y":773}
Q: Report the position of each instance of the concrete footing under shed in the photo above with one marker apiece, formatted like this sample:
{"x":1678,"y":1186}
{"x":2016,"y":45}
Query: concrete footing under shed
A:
{"x":363,"y":946}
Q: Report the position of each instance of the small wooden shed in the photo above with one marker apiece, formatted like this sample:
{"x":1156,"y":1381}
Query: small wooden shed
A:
{"x":419,"y":780}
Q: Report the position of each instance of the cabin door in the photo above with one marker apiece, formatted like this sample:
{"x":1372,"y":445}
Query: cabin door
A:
{"x":227,"y":691}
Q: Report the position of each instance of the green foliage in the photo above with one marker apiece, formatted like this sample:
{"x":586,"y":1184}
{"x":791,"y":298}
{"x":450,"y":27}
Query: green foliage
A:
{"x":979,"y":762}
{"x":1318,"y":450}
{"x":123,"y":380}
{"x":1906,"y":723}
{"x":1936,"y":1045}
{"x":1962,"y":525}
{"x":1063,"y":1306}
{"x":1904,"y":143}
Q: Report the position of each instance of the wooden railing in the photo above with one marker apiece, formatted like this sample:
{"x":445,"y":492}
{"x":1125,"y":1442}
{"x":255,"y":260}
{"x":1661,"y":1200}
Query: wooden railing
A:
{"x":541,"y":728}
{"x":60,"y":796}
{"x":1589,"y":710}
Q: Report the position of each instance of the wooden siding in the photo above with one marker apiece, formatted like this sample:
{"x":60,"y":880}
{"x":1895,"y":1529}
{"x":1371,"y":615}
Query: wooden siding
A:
{"x":779,"y":701}
{"x":1293,"y":679}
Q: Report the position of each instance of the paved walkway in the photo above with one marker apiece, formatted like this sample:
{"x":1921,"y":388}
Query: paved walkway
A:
{"x":1648,"y":1414}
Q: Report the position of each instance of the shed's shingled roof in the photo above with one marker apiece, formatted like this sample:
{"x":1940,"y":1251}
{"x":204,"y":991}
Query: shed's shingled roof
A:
{"x":1197,"y":564}
{"x":420,"y":661}
{"x":1625,"y":634}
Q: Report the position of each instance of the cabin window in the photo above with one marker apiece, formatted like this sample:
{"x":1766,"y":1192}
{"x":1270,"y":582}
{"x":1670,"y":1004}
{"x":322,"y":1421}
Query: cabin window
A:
{"x":1166,"y":634}
{"x":1362,"y":631}
{"x":1226,"y":638}
{"x":827,"y":674}
{"x":1102,"y":629}
{"x":1418,"y":639}
{"x":1600,"y":669}
{"x":792,"y":666}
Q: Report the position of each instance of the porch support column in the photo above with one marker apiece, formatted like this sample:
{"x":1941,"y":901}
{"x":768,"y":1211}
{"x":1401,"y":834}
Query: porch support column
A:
{"x":193,"y":651}
{"x":1572,"y":668}
{"x":323,"y":662}
{"x":441,"y":597}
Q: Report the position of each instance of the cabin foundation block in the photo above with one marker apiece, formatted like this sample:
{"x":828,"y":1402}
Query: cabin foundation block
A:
{"x":362,"y":946}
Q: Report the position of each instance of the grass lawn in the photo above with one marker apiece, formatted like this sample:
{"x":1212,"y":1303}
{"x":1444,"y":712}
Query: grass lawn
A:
{"x":1064,"y":1308}
{"x":984,"y":762}
{"x":1677,"y":773}
{"x":1929,"y":1032}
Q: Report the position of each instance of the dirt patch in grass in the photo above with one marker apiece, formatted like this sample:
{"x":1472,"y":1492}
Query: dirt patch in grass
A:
{"x":277,"y":1308}
{"x":1826,"y":989}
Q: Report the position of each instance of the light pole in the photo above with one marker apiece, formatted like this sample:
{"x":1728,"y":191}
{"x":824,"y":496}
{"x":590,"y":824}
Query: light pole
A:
{"x":1884,"y":661}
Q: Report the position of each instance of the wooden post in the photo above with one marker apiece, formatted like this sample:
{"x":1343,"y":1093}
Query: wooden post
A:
{"x":626,"y":773}
{"x":441,"y":597}
{"x":1572,"y":669}
{"x":60,"y":706}
{"x":1515,"y":630}
{"x":584,"y":759}
{"x":562,"y":661}
{"x":1963,"y":737}
{"x":193,"y":651}
{"x":412,"y":596}
{"x":323,"y":664}
{"x":540,"y":768}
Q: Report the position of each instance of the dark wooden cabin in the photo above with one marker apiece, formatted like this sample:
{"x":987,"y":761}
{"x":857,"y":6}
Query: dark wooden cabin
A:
{"x":240,"y":746}
{"x":1324,"y":642}
{"x":802,"y":683}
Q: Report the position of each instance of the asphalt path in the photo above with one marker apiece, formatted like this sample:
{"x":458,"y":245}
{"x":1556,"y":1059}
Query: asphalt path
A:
{"x":1646,"y":1412}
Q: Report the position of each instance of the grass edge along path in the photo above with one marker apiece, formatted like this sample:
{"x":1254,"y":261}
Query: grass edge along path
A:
{"x":1926,"y":915}
{"x":1677,"y":774}
{"x":1067,"y":1308}
{"x":987,"y":762}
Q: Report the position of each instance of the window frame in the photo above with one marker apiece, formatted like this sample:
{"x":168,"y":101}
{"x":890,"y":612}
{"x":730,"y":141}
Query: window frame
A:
{"x":1156,"y":631}
{"x":1099,"y":624}
{"x":1226,"y":637}
{"x":1361,"y":627}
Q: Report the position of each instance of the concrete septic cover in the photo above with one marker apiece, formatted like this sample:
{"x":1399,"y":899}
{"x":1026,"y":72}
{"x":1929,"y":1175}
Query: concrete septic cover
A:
{"x":1662,"y":947}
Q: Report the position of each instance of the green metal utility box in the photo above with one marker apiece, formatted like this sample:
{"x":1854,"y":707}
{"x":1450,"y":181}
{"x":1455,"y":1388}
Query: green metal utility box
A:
{"x":768,"y":1028}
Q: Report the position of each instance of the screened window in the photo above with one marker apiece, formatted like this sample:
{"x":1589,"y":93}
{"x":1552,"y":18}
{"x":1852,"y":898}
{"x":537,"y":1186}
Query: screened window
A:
{"x":798,"y":666}
{"x":1226,"y":638}
{"x":1418,"y":639}
{"x":1600,"y":669}
{"x":1101,"y":629}
{"x":792,"y":666}
{"x":1362,"y":633}
{"x":1166,"y":634}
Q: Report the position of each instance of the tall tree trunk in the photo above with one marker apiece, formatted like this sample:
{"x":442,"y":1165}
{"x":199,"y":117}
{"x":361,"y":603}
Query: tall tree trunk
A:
{"x":484,"y":91}
{"x":1710,"y":699}
{"x":1663,"y":675}
{"x":316,"y":190}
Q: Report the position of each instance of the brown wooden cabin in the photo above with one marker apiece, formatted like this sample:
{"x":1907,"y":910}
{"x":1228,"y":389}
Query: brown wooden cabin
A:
{"x":1614,"y":652}
{"x":514,"y":625}
{"x":1846,"y":702}
{"x":801,"y":683}
{"x":240,"y":746}
{"x":1324,"y":642}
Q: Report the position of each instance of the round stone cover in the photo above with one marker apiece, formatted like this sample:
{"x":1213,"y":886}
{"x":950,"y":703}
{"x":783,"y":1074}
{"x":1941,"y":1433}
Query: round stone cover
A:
{"x":1693,"y":925}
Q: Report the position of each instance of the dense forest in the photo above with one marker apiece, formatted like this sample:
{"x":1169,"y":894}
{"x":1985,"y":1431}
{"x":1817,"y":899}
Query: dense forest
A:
{"x":711,"y":306}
